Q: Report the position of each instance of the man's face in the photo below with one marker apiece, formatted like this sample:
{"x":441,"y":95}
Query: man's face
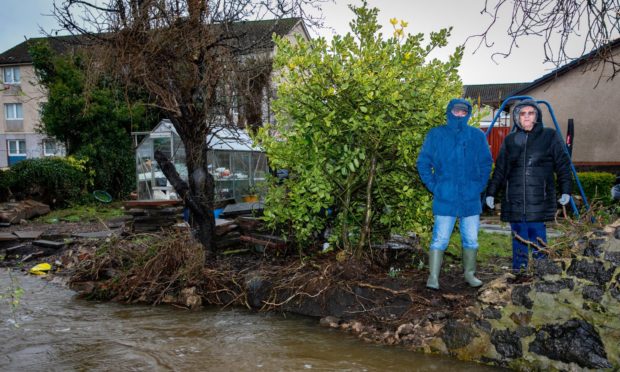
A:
{"x":459,"y":113}
{"x":527,"y":118}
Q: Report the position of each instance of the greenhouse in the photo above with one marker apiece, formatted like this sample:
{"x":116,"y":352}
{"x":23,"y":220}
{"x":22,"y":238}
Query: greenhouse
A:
{"x":237,"y":166}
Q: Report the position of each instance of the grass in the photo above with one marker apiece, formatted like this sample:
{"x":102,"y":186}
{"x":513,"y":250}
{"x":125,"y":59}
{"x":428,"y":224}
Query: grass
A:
{"x":84,"y":213}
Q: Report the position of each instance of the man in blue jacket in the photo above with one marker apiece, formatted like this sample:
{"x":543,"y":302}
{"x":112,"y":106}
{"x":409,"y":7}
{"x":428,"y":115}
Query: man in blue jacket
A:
{"x":455,"y":164}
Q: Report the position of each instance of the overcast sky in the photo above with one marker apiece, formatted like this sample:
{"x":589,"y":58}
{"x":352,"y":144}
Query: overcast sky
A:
{"x":25,"y":18}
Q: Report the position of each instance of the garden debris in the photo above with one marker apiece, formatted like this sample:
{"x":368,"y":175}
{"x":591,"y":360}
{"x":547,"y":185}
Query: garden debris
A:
{"x":15,"y":212}
{"x":48,"y":244}
{"x":40,"y":269}
{"x":241,"y":209}
{"x":152,"y":215}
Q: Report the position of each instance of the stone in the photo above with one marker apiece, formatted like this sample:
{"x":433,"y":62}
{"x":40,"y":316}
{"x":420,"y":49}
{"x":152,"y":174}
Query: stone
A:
{"x":594,"y":247}
{"x":437,"y":315}
{"x":507,"y":343}
{"x":521,"y":319}
{"x":617,"y":233}
{"x":520,"y":296}
{"x":592,"y":293}
{"x":613,"y":257}
{"x":575,"y":341}
{"x":545,"y":267}
{"x":457,"y":335}
{"x":190,"y":298}
{"x":593,"y":271}
{"x":484,"y":325}
{"x":556,"y":286}
{"x":329,"y":321}
{"x":523,"y":331}
{"x":257,"y":289}
{"x":491,"y":313}
{"x":405,"y":329}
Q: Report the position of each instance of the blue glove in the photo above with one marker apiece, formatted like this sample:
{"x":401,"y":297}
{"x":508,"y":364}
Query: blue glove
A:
{"x":564,"y":199}
{"x":490,"y":202}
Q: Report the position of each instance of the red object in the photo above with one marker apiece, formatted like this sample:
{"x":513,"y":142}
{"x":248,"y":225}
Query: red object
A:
{"x":496,"y":138}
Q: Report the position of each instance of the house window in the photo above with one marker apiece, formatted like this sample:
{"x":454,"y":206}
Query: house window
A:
{"x":13,"y":111}
{"x":11,"y":75}
{"x":17,"y":147}
{"x":50,"y":147}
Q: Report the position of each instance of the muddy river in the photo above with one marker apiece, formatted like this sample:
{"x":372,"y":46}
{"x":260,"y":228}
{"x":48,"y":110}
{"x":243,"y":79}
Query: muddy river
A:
{"x":52,"y":330}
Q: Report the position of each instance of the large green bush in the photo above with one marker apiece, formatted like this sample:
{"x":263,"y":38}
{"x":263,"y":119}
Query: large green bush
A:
{"x":351,"y":118}
{"x":54,"y":181}
{"x":596,"y":185}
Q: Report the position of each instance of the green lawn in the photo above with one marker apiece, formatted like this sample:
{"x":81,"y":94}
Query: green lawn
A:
{"x":83,"y":213}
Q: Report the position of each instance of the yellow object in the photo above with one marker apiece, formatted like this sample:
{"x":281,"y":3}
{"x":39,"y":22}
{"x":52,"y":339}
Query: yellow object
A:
{"x":40,"y":269}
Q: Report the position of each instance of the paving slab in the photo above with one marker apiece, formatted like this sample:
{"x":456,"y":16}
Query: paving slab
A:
{"x":34,"y":234}
{"x":96,"y":234}
{"x":7,"y":236}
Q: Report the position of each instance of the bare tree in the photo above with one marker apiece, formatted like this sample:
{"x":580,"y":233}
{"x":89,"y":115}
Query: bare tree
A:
{"x":190,"y":56}
{"x":591,"y":24}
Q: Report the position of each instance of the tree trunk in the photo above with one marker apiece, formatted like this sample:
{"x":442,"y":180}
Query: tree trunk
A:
{"x":197,"y":196}
{"x":365,"y":233}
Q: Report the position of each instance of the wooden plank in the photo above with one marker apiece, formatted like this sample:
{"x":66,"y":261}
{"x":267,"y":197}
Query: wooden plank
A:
{"x":276,"y":243}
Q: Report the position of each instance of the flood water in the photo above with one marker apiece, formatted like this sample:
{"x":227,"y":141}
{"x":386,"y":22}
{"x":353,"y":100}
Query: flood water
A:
{"x":51,"y":330}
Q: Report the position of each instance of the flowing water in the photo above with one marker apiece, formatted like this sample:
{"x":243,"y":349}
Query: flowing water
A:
{"x":52,"y":330}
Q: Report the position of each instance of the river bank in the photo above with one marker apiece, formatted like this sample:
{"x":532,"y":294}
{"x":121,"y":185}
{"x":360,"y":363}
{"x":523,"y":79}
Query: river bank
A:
{"x":563,"y":316}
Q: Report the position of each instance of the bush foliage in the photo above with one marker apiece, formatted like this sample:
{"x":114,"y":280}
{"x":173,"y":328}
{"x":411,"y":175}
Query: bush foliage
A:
{"x":351,"y":118}
{"x":54,"y":181}
{"x":596,"y":185}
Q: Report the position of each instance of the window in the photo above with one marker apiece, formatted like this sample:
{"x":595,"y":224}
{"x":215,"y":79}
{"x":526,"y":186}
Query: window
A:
{"x":13,"y":111}
{"x":17,"y":147}
{"x":11,"y":75}
{"x":50,"y":147}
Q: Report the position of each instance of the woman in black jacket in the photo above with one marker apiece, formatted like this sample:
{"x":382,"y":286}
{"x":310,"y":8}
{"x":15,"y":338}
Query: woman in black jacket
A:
{"x":525,"y":167}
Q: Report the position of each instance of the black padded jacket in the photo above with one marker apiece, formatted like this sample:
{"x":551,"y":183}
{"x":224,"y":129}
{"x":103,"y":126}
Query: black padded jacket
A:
{"x":525,"y":166}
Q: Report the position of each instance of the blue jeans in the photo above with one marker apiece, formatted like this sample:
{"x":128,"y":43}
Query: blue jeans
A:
{"x":442,"y":229}
{"x":529,"y":231}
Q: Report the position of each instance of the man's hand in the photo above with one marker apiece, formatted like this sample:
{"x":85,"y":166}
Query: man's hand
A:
{"x":564,"y":199}
{"x":490,"y":202}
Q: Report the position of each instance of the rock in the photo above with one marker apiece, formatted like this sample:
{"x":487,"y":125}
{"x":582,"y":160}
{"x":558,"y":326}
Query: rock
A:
{"x":554,"y":287}
{"x":545,"y":267}
{"x":594,"y":247}
{"x":484,"y":325}
{"x":507,"y":343}
{"x":592,"y":271}
{"x":357,"y":327}
{"x":437,"y":315}
{"x":257,"y":289}
{"x":190,"y":298}
{"x":329,"y":321}
{"x":520,"y":296}
{"x":405,"y":329}
{"x":524,"y":331}
{"x":592,"y":293}
{"x":521,"y":319}
{"x":496,"y":292}
{"x":617,"y":233}
{"x":84,"y":288}
{"x":456,"y":335}
{"x":613,"y":257}
{"x":575,"y":341}
{"x":491,"y":313}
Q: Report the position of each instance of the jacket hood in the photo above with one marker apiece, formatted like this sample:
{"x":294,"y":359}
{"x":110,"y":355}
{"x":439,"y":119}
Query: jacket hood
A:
{"x":455,"y":122}
{"x":517,"y":109}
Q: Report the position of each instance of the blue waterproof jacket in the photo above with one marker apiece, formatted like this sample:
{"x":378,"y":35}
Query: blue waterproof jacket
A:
{"x":455,"y":164}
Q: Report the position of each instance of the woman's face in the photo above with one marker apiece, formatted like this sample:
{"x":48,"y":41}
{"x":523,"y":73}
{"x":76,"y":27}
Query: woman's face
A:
{"x":527,"y":118}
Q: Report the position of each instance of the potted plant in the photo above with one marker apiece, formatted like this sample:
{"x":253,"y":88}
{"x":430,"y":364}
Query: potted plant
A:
{"x":251,"y":195}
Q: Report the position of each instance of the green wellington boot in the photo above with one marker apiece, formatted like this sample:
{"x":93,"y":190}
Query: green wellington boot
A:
{"x":435,"y":256}
{"x":469,"y":267}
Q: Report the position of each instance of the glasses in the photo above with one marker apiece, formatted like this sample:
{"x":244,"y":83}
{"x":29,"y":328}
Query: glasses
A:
{"x":527,"y":113}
